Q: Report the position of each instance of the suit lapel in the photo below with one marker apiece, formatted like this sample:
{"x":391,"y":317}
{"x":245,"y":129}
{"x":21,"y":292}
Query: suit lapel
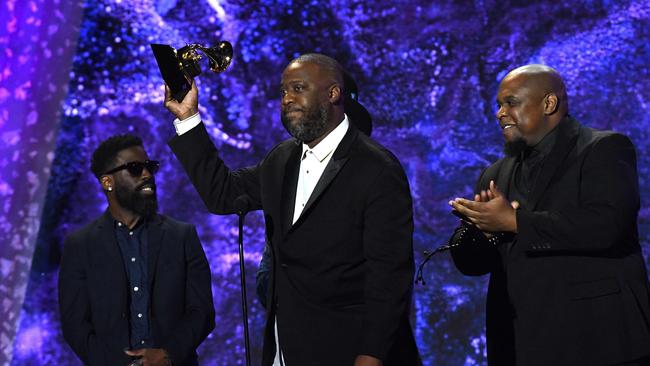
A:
{"x":331,"y":170}
{"x":339,"y":158}
{"x":566,"y":139}
{"x":110,"y":253}
{"x":502,"y":179}
{"x":289,"y":186}
{"x":504,"y":174}
{"x":154,"y":240}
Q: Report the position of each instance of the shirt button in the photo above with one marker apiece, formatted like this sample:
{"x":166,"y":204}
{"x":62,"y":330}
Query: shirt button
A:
{"x":119,"y":224}
{"x":132,"y":259}
{"x":136,"y":288}
{"x":139,"y":315}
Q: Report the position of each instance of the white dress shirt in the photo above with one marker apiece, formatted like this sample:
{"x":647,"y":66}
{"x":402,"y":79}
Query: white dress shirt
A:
{"x":313,"y":164}
{"x":187,"y":124}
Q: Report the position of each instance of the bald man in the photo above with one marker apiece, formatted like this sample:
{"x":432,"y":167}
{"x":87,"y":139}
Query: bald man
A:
{"x":554,"y":224}
{"x":339,"y":223}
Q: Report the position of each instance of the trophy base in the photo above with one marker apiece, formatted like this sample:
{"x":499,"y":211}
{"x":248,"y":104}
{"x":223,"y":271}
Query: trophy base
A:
{"x":171,"y":71}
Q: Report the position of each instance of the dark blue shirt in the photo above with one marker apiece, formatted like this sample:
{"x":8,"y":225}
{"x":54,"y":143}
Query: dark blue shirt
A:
{"x":133,"y":246}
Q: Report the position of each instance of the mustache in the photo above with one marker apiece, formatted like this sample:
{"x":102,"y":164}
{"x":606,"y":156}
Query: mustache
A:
{"x":149,"y":182}
{"x":291,"y":109}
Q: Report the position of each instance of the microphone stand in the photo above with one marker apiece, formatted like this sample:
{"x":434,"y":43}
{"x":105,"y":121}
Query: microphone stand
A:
{"x":241,"y":212}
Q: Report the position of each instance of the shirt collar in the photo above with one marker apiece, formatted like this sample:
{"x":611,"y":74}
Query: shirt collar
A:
{"x":546,"y":144}
{"x":330,"y":142}
{"x":542,"y":149}
{"x":119,"y":225}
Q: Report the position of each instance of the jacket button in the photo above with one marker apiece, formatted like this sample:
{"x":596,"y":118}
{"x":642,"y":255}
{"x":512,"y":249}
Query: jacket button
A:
{"x":283,"y":265}
{"x":123,"y":315}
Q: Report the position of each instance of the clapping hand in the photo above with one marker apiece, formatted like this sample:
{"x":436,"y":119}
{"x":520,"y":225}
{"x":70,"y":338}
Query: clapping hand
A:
{"x":490,"y":210}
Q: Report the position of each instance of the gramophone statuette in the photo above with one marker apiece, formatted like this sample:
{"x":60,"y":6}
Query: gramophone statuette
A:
{"x":177,"y":67}
{"x":219,"y":56}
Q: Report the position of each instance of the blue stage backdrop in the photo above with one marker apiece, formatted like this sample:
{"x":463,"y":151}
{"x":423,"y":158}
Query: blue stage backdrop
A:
{"x":428,"y":73}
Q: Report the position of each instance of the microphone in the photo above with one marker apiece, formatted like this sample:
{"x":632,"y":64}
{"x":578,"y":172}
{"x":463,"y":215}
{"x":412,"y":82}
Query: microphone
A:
{"x":242,"y":204}
{"x":466,"y":228}
{"x":419,"y":275}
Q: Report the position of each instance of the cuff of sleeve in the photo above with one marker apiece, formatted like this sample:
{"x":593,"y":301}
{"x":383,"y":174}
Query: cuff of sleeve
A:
{"x":525,"y":231}
{"x":187,"y":124}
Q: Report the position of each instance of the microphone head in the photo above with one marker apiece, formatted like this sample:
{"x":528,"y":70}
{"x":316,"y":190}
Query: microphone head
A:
{"x":242,"y":204}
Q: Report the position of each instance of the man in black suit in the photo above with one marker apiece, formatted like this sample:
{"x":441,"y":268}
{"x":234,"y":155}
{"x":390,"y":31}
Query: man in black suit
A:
{"x":134,"y":286}
{"x":338,"y":218}
{"x":360,"y":117}
{"x":554,"y":223}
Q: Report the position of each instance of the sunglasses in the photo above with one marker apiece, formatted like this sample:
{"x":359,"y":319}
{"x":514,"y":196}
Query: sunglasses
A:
{"x":135,"y":167}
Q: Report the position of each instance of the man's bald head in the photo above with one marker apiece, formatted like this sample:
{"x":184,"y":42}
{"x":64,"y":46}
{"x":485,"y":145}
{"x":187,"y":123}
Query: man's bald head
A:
{"x":544,"y":80}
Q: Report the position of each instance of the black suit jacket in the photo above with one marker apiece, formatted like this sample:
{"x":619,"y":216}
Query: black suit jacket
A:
{"x":573,"y":287}
{"x":341,"y":276}
{"x":93,"y":290}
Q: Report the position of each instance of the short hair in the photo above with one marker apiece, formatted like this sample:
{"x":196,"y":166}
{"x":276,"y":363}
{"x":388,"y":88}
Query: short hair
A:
{"x":327,"y":63}
{"x":105,"y":154}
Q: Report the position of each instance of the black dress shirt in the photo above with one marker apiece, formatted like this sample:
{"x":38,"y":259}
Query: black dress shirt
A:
{"x":133,"y":246}
{"x":527,"y":169}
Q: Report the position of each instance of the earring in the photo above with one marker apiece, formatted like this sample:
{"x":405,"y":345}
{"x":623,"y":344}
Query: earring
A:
{"x":110,"y":188}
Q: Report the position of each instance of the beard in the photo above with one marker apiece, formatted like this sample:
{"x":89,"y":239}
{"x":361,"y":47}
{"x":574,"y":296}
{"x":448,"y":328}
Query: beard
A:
{"x":145,"y":205}
{"x":515,"y":147}
{"x":309,"y":127}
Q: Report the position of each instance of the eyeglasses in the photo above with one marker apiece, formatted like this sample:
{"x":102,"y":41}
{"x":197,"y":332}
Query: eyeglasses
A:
{"x":135,"y":167}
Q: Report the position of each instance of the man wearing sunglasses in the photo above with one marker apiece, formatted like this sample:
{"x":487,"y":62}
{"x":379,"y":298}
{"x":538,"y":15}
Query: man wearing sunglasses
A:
{"x":134,"y":285}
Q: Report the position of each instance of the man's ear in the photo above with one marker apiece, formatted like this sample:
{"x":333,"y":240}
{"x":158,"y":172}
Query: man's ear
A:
{"x":551,"y":104}
{"x":335,"y":94}
{"x":107,"y":183}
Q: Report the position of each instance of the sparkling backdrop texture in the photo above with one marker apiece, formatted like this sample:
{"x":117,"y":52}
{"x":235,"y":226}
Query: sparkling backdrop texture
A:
{"x":427,"y":72}
{"x":37,"y":41}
